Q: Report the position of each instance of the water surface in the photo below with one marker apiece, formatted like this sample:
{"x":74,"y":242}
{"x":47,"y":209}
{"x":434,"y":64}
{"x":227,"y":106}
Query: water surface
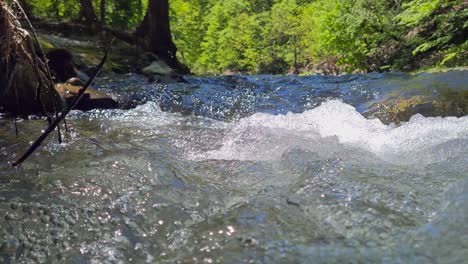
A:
{"x":260,"y":169}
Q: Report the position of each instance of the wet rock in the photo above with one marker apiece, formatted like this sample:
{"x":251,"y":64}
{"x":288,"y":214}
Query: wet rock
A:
{"x":130,"y":224}
{"x":46,"y":211}
{"x":70,"y":220}
{"x":57,"y":183}
{"x":123,"y":241}
{"x":248,"y":241}
{"x":10,"y":217}
{"x":26,"y":245}
{"x":159,"y":72}
{"x":39,"y":256}
{"x":73,"y":235}
{"x":92,"y":99}
{"x":75,"y":81}
{"x":45,"y":219}
{"x":65,"y":245}
{"x":157,"y":67}
{"x":9,"y":246}
{"x":400,"y":109}
{"x":15,"y":205}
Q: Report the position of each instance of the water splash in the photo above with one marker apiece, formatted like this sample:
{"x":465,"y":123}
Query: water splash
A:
{"x":265,"y":136}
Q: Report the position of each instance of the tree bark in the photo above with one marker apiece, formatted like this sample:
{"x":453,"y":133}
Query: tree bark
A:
{"x":156,"y":34}
{"x":103,"y":12}
{"x":87,"y":14}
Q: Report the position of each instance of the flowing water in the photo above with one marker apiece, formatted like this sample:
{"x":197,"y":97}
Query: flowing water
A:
{"x":257,"y":169}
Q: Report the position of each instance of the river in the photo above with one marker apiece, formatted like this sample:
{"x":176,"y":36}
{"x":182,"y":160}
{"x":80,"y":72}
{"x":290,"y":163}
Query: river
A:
{"x":254,"y":169}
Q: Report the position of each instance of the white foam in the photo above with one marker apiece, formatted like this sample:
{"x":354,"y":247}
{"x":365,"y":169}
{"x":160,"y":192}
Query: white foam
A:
{"x":264,"y":136}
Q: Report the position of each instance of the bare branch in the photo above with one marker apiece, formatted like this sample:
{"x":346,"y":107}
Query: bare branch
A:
{"x":63,"y":114}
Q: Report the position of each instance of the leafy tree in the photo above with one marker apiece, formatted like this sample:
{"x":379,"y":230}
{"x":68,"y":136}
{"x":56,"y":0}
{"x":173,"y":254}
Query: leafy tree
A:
{"x":273,"y":36}
{"x":438,"y":27}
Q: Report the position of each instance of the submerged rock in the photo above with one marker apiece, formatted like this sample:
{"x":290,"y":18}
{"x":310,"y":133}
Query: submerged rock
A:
{"x":399,"y":109}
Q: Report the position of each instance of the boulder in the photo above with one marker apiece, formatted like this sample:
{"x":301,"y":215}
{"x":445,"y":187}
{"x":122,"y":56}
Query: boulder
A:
{"x":400,"y":109}
{"x":158,"y":71}
{"x":158,"y":67}
{"x":92,"y":99}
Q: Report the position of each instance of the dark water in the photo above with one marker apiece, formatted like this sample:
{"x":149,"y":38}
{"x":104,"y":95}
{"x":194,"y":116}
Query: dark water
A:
{"x":259,"y":169}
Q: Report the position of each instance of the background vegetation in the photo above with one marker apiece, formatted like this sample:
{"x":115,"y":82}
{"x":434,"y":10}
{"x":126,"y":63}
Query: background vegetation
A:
{"x":280,"y":36}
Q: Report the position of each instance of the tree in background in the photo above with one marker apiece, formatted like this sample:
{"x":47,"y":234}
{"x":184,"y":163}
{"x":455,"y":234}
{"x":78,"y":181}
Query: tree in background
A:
{"x":102,"y":12}
{"x":277,"y":36}
{"x":87,"y":14}
{"x":187,"y":26}
{"x":434,"y":26}
{"x":156,"y":34}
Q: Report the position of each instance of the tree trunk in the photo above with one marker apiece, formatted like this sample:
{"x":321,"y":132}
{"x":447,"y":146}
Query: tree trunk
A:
{"x":87,"y":14}
{"x":56,"y":4}
{"x":156,"y":34}
{"x":103,"y":12}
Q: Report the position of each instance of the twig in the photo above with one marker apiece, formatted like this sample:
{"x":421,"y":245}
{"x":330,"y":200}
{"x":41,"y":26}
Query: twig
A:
{"x":59,"y":134}
{"x":16,"y":125}
{"x":10,"y":78}
{"x":41,"y":51}
{"x":36,"y":63}
{"x":63,"y":114}
{"x":17,"y":103}
{"x":66,"y":126}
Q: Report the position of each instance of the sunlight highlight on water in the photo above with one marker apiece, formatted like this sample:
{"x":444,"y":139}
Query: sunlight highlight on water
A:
{"x":258,"y":169}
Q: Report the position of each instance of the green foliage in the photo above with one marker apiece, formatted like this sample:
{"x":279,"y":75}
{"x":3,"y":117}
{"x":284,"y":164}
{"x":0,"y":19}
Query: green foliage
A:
{"x":119,"y":14}
{"x":456,"y":55}
{"x":441,"y":26}
{"x":54,"y":9}
{"x":417,"y":10}
{"x":256,"y":35}
{"x":274,"y":36}
{"x":124,"y":14}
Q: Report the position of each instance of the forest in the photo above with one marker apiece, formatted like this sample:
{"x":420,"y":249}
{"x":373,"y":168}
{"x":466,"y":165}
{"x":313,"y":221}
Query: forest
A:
{"x":292,"y":36}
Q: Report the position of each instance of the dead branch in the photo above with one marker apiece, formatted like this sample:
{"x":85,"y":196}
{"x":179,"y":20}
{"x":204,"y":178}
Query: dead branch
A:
{"x":43,"y":64}
{"x":63,"y":114}
{"x":29,"y":86}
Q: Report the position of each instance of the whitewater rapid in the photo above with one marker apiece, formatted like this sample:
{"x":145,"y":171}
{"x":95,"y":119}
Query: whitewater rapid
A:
{"x":262,"y":169}
{"x":265,"y":136}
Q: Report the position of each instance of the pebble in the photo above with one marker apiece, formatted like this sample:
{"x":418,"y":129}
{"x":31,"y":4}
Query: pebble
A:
{"x":65,"y":245}
{"x":45,"y":219}
{"x":9,"y":246}
{"x":15,"y":205}
{"x":74,"y":235}
{"x":248,"y":241}
{"x":57,"y":183}
{"x":10,"y":217}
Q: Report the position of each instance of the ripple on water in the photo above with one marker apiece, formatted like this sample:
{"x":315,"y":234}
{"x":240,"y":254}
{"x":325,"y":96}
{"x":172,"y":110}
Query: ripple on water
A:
{"x":238,"y":178}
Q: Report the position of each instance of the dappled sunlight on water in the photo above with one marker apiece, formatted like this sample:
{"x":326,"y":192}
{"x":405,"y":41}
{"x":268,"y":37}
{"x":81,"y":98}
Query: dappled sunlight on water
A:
{"x":239,"y":183}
